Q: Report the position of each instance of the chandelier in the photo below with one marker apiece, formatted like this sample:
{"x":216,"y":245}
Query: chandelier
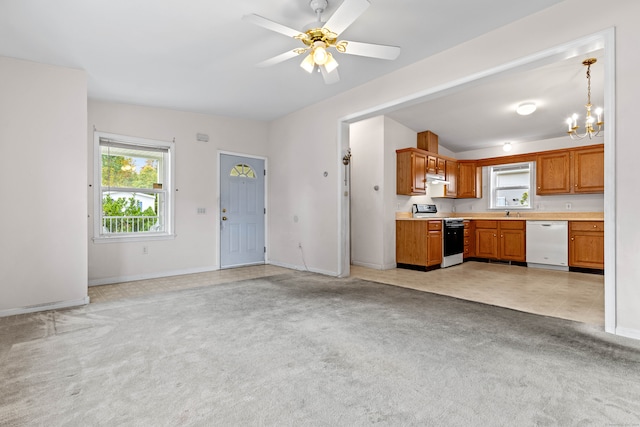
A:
{"x":590,"y":122}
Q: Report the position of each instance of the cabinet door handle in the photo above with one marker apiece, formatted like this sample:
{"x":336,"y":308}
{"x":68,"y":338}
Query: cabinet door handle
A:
{"x":494,"y":235}
{"x":572,"y":239}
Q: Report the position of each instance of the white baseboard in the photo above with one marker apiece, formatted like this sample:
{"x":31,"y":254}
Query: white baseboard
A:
{"x":375,"y":266}
{"x":44,"y":307}
{"x":303,"y":268}
{"x":121,"y":279}
{"x":628,"y":333}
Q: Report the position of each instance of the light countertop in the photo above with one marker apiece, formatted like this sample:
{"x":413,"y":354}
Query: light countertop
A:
{"x":513,"y":216}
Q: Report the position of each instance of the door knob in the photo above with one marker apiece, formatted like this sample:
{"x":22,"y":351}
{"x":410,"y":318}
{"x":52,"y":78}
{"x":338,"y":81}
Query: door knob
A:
{"x":224,"y":218}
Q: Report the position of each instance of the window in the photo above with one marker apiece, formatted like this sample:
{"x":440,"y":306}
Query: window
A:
{"x":242,"y":170}
{"x":133,"y":188}
{"x":510,"y":186}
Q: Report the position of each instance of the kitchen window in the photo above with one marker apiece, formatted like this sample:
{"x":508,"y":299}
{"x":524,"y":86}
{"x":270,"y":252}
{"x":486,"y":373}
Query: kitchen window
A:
{"x":133,"y":191}
{"x":510,"y":186}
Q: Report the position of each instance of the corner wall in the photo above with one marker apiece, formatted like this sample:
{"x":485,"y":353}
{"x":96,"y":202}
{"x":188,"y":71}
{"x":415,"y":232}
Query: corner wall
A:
{"x":195,"y":247}
{"x":43,"y":167}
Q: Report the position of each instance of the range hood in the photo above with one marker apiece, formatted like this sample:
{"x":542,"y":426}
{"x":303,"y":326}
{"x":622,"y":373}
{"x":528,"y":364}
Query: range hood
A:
{"x":433,"y":178}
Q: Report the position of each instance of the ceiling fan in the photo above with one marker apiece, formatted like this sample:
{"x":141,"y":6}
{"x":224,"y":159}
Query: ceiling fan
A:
{"x":319,"y":37}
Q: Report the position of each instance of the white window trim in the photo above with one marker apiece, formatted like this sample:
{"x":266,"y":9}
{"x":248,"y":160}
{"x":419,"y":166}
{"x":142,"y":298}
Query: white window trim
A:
{"x":169,"y":233}
{"x":532,"y":183}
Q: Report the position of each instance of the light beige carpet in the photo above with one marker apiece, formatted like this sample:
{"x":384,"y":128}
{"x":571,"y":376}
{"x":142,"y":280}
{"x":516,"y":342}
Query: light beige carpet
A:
{"x":302,"y":349}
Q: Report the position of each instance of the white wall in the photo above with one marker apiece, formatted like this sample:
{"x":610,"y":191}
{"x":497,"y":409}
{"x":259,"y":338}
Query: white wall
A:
{"x":373,"y":145}
{"x":367,"y":204}
{"x":311,"y":133}
{"x":195,"y":247}
{"x":43,"y":249}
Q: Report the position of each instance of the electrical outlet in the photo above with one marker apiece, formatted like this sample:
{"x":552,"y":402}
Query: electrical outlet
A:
{"x":145,"y":250}
{"x":568,"y":206}
{"x":300,"y":245}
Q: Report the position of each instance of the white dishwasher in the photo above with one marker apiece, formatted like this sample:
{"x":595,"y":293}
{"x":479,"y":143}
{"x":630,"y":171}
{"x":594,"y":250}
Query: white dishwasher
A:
{"x":548,"y":245}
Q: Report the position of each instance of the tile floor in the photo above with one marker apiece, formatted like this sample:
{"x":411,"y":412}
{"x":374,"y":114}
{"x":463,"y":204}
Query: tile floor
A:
{"x":568,"y":295}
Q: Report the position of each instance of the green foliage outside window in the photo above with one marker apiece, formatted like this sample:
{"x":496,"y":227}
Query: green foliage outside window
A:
{"x":120,"y":171}
{"x":122,"y":207}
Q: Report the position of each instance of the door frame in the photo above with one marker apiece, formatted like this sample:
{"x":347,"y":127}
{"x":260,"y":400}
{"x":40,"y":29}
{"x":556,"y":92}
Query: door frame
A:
{"x":601,"y":39}
{"x":218,"y":207}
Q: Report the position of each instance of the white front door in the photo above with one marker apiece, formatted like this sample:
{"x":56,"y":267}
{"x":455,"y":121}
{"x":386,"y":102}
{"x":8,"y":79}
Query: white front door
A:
{"x":242,"y":211}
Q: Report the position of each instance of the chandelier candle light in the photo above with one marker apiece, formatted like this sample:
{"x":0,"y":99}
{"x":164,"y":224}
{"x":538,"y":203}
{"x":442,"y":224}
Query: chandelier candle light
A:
{"x":590,"y":121}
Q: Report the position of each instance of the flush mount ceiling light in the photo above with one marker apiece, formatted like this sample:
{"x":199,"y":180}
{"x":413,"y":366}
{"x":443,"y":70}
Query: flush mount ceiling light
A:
{"x":526,"y":108}
{"x":589,"y":121}
{"x":507,"y":146}
{"x":321,"y":37}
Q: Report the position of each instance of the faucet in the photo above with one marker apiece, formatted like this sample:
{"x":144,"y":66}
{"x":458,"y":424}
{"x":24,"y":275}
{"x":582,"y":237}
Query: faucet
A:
{"x":506,"y":213}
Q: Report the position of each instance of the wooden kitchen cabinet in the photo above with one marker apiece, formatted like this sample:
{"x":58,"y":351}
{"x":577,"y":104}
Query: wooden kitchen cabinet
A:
{"x":586,"y":244}
{"x":512,"y":240}
{"x":486,"y":239}
{"x":428,"y":141}
{"x":588,"y":170}
{"x":419,"y":243}
{"x":441,"y":166}
{"x":469,"y":183}
{"x":434,"y":243}
{"x":451,"y":175}
{"x":432,"y":165}
{"x":501,"y":240}
{"x":574,"y":171}
{"x":469,"y":239}
{"x":411,"y":168}
{"x":436,"y":165}
{"x":552,"y":173}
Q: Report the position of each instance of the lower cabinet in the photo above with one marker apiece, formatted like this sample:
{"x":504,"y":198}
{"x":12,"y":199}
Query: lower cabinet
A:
{"x":501,"y":240}
{"x":586,"y":244}
{"x":419,"y":242}
{"x":469,"y":239}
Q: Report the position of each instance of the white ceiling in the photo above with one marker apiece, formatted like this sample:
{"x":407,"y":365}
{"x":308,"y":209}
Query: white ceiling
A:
{"x":198,"y":55}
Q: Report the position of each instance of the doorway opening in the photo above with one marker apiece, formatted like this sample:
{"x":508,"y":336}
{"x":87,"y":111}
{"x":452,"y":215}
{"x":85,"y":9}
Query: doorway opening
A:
{"x":602,"y":40}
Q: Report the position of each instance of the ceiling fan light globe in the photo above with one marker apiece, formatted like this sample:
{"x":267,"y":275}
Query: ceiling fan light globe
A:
{"x":331,"y":63}
{"x":320,"y":55}
{"x":307,"y":64}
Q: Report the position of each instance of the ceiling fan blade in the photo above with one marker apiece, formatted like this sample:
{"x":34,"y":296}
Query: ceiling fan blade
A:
{"x":330,"y":78}
{"x":372,"y":50}
{"x":348,"y":12}
{"x":271,"y":25}
{"x":279,"y":58}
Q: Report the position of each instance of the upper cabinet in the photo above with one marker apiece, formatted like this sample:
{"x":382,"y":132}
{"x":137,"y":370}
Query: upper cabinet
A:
{"x":428,"y":141}
{"x":451,"y":176}
{"x":588,"y":170}
{"x":579,"y":170}
{"x":469,"y":183}
{"x":552,"y":173}
{"x":411,"y":167}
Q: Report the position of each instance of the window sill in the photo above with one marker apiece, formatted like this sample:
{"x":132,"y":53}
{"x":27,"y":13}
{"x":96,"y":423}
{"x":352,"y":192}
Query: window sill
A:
{"x":132,"y":238}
